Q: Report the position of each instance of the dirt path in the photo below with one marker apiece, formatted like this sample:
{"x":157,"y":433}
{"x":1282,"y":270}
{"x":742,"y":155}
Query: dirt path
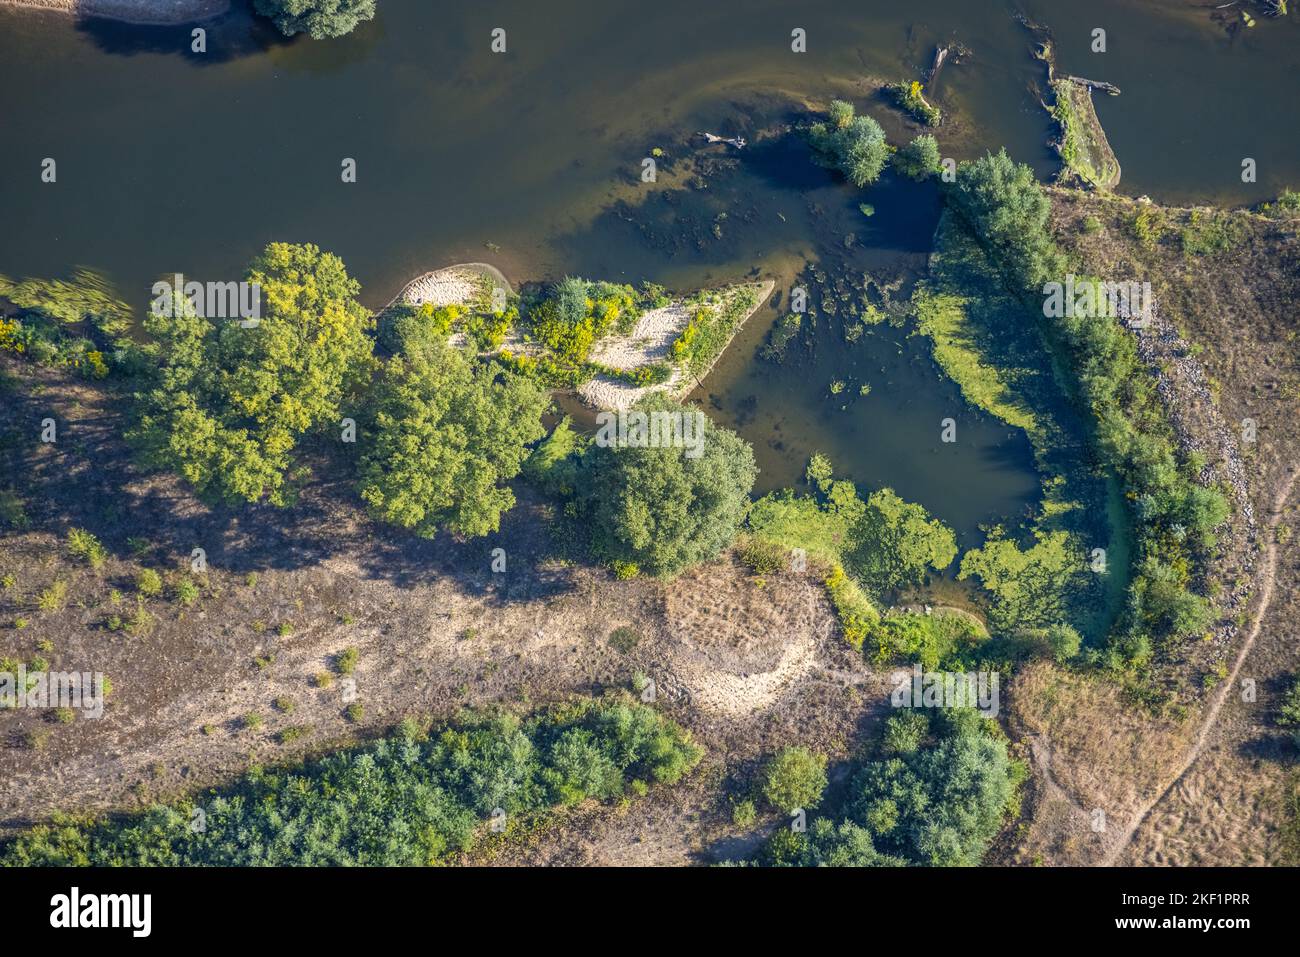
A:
{"x":1268,"y":580}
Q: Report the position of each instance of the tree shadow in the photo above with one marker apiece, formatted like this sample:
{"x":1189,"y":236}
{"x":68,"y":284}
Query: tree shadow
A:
{"x":229,"y":36}
{"x":89,"y":478}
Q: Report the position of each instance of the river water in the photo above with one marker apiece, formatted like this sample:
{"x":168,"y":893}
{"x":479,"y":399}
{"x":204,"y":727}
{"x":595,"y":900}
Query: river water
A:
{"x":173,"y":161}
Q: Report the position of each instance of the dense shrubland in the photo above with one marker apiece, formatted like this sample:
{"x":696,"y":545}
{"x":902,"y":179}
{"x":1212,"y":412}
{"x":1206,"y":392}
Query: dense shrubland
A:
{"x":417,"y":798}
{"x":935,"y":793}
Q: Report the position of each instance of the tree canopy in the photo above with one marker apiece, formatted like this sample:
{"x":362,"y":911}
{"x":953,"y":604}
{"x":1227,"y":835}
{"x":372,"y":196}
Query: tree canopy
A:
{"x":445,"y":434}
{"x":320,"y":19}
{"x":1002,"y":203}
{"x":228,"y":404}
{"x":854,"y":145}
{"x":897,"y":542}
{"x":660,"y":509}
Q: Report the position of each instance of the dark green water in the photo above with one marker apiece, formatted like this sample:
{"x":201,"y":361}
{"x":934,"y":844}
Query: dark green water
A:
{"x":169,"y":161}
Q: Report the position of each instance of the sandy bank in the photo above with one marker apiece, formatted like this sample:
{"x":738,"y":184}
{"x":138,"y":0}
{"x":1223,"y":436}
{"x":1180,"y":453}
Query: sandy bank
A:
{"x":142,"y":12}
{"x":456,"y":285}
{"x":651,"y":342}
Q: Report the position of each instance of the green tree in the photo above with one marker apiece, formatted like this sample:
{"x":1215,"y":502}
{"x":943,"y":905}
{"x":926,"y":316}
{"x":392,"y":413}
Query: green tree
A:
{"x":663,"y":508}
{"x":1008,"y":212}
{"x":940,"y":806}
{"x":447,"y":433}
{"x":320,"y":19}
{"x":1029,"y":586}
{"x":854,"y":145}
{"x":897,"y":541}
{"x":919,"y":158}
{"x":1064,"y":641}
{"x":228,"y":404}
{"x":794,"y":778}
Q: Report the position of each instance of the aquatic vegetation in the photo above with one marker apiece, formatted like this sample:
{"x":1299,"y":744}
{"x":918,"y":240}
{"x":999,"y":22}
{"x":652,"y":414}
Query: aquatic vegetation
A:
{"x":854,"y":145}
{"x":942,"y":319}
{"x":882,"y":543}
{"x":1285,"y":206}
{"x":75,"y":324}
{"x":1172,"y":515}
{"x":919,"y":158}
{"x":911,"y":97}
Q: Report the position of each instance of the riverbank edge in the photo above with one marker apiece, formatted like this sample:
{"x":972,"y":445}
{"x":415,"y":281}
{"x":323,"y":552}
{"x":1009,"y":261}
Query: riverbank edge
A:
{"x":683,"y":383}
{"x":170,"y":14}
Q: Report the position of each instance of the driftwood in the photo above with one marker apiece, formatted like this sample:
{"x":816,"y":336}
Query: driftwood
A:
{"x":940,"y":54}
{"x":737,"y":141}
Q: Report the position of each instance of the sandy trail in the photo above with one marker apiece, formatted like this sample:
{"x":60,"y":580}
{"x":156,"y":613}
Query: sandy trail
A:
{"x":1268,"y":580}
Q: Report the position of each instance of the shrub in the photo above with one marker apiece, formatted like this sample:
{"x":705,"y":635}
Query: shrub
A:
{"x":904,"y":731}
{"x":355,"y":711}
{"x":624,"y":638}
{"x":1288,"y":715}
{"x":919,"y":158}
{"x":762,"y":556}
{"x":186,"y":590}
{"x":743,"y":813}
{"x":911,"y":97}
{"x":148,"y":582}
{"x":795,"y":778}
{"x":346,"y":661}
{"x":854,"y":145}
{"x":53,"y":597}
{"x":82,"y":544}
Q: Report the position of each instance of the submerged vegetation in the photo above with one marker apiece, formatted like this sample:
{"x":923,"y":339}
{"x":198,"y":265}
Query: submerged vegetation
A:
{"x":76,"y":324}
